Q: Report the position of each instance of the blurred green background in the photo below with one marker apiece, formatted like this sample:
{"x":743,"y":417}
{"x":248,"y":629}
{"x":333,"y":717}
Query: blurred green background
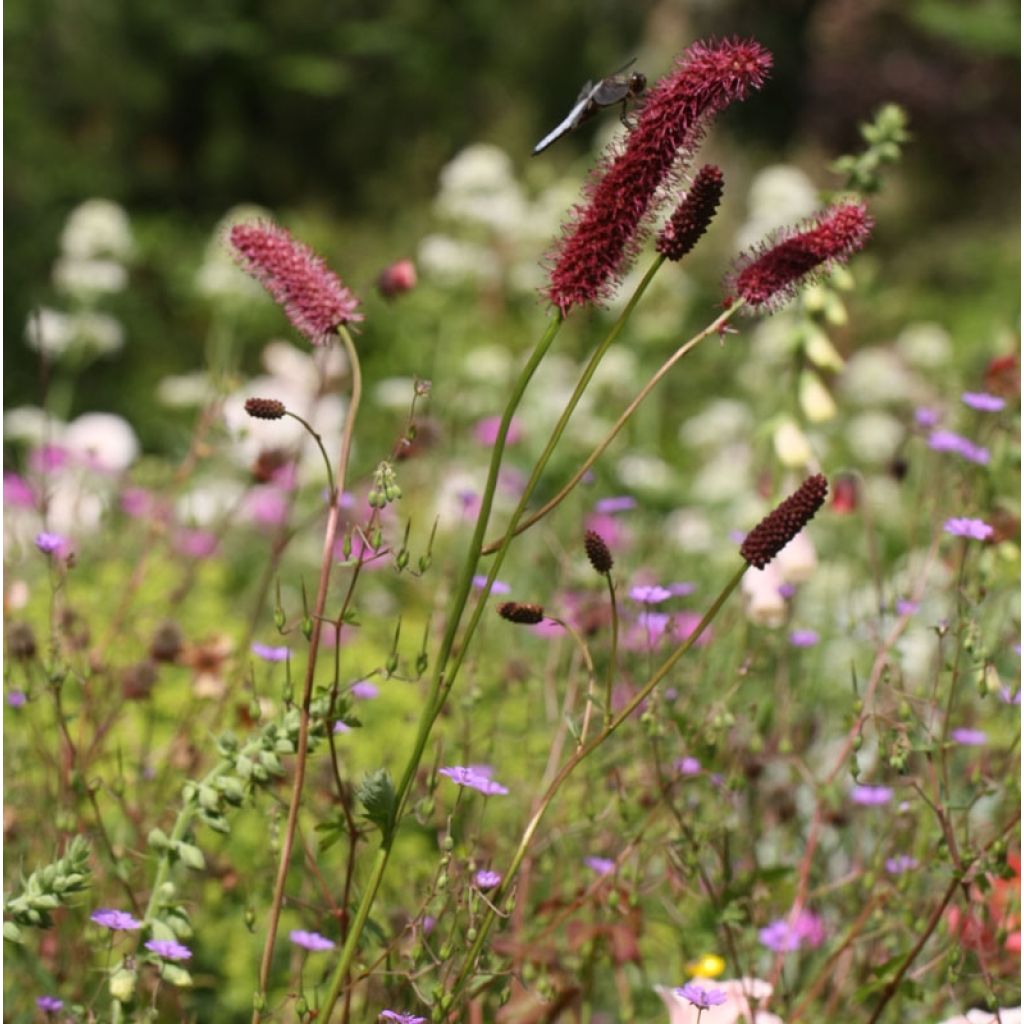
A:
{"x":340,"y":115}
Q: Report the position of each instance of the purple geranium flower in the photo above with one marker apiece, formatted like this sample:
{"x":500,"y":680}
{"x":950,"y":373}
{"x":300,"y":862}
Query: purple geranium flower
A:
{"x":115,"y":920}
{"x":976,"y":529}
{"x":621,"y":503}
{"x":463,"y":776}
{"x":969,"y":737}
{"x":49,"y":1004}
{"x":803,"y":638}
{"x":486,"y":879}
{"x":982,"y":401}
{"x":904,"y":606}
{"x":701,"y":997}
{"x":688,"y":766}
{"x":18,"y":492}
{"x":683,"y":589}
{"x":602,"y":865}
{"x":364,"y":690}
{"x":1008,"y":696}
{"x":899,"y":864}
{"x":268,"y":653}
{"x":401,"y":1018}
{"x":16,"y":698}
{"x":650,"y":594}
{"x":947,"y":441}
{"x":169,"y":949}
{"x":313,"y":941}
{"x":480,"y":581}
{"x":785,"y":936}
{"x":870,"y":796}
{"x":926,"y":417}
{"x":49,"y":543}
{"x":340,"y":727}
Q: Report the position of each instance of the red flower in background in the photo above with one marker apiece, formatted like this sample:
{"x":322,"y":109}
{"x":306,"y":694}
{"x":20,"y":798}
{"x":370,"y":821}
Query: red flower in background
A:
{"x":994,"y":909}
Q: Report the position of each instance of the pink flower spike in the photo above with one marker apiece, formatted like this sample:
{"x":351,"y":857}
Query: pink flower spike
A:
{"x":312,"y":296}
{"x":765,"y":278}
{"x":604,"y":232}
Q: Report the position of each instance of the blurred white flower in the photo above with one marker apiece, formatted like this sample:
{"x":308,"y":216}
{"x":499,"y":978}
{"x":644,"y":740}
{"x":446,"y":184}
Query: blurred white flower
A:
{"x":103,"y":440}
{"x":815,"y":399}
{"x":642,"y":472}
{"x":219,"y":276}
{"x":97,"y":227}
{"x":725,"y":476}
{"x":690,"y":531}
{"x":52,"y":332}
{"x":1009,"y":1015}
{"x":481,"y":167}
{"x":31,"y":424}
{"x":917,"y":652}
{"x":487,"y":364}
{"x":451,"y":261}
{"x":874,"y":376}
{"x":721,"y":420}
{"x":819,"y":349}
{"x":49,"y":331}
{"x":617,"y":372}
{"x":73,"y":509}
{"x":764,"y":605}
{"x":186,"y":390}
{"x":86,"y":278}
{"x":457,"y":498}
{"x":779,"y":196}
{"x":304,"y":371}
{"x":875,"y":436}
{"x":798,"y":559}
{"x":16,"y":595}
{"x":925,"y":345}
{"x":791,"y":445}
{"x":479,"y":187}
{"x":394,"y":393}
{"x":208,"y":502}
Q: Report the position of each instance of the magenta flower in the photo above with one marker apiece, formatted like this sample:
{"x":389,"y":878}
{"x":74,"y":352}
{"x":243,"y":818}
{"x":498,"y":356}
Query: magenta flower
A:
{"x":312,"y":296}
{"x":650,"y":594}
{"x":602,"y":865}
{"x":803,"y":638}
{"x":947,"y":441}
{"x":486,"y":879}
{"x":681,"y":589}
{"x":693,"y":215}
{"x":480,"y":581}
{"x":768,"y":276}
{"x":688,"y":766}
{"x":969,"y":737}
{"x":701,"y":997}
{"x":18,"y":492}
{"x":604,"y":233}
{"x":925,"y":417}
{"x":50,"y":543}
{"x":16,"y":698}
{"x":195,"y":543}
{"x":1009,"y":696}
{"x":473,"y":779}
{"x":341,"y":727}
{"x":364,"y":690}
{"x":268,"y":653}
{"x":975,"y":529}
{"x":983,"y":401}
{"x":115,"y":920}
{"x":870,"y":796}
{"x":313,"y":941}
{"x":397,"y":279}
{"x":401,"y":1018}
{"x":169,"y":949}
{"x":486,"y":431}
{"x":904,"y":606}
{"x":900,"y":864}
{"x":620,"y":503}
{"x":787,"y":936}
{"x":49,"y":1004}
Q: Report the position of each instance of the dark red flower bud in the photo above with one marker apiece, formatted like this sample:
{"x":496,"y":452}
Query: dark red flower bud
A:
{"x":598,"y":553}
{"x":523,"y":614}
{"x":768,"y":276}
{"x":264,"y":408}
{"x":780,"y":526}
{"x":397,"y":279}
{"x":693,"y":215}
{"x":845,"y":494}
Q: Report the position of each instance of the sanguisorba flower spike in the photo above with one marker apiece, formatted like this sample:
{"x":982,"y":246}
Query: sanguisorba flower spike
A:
{"x":311,"y":294}
{"x":692,"y":216}
{"x":769,"y":275}
{"x":604,"y":232}
{"x":784,"y":522}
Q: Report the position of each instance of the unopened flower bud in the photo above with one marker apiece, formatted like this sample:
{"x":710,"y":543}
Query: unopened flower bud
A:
{"x":780,"y":526}
{"x":598,"y":553}
{"x":264,"y":408}
{"x":523,"y":614}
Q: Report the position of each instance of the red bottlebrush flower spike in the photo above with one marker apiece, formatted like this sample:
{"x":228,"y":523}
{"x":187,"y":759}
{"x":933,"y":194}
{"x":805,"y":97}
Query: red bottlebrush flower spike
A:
{"x":604,"y":233}
{"x":311,"y":294}
{"x":767,"y":277}
{"x":523,"y":614}
{"x":693,"y":215}
{"x":780,"y":526}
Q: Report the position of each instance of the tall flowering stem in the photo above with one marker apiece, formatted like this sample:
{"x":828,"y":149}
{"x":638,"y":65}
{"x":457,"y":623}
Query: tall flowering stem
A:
{"x":605,"y":232}
{"x":767,"y":277}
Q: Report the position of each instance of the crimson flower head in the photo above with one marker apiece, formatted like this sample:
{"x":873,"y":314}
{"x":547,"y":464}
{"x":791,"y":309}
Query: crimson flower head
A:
{"x":768,"y":276}
{"x":693,"y":215}
{"x":604,"y":232}
{"x":311,"y":294}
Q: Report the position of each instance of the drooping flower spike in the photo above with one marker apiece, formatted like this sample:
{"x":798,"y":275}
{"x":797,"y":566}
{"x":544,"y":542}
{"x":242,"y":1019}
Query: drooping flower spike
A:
{"x":767,"y":276}
{"x":693,"y":215}
{"x":604,"y":233}
{"x":311,"y":295}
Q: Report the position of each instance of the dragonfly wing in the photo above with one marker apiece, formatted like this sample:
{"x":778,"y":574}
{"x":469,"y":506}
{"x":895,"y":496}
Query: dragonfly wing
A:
{"x":568,"y":123}
{"x":611,"y":91}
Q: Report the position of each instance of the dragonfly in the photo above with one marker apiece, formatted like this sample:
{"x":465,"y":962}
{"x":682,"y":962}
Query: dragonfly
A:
{"x":595,"y":96}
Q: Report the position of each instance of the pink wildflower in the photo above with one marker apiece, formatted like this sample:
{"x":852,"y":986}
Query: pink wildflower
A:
{"x":312,"y":296}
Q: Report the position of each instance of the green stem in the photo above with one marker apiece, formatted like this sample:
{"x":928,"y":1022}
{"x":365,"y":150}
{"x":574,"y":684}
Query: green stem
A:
{"x":613,"y":655}
{"x":503,"y":890}
{"x":435,"y":698}
{"x":323,"y":451}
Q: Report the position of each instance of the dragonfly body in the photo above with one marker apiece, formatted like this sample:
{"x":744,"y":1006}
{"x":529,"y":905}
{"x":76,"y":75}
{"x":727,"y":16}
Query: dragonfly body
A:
{"x":595,"y":96}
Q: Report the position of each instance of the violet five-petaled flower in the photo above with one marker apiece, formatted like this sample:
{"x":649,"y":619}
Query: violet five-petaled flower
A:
{"x":269,"y":653}
{"x":602,"y":865}
{"x":604,"y":232}
{"x":617,"y":503}
{"x":311,"y":294}
{"x":700,"y":996}
{"x":983,"y":401}
{"x":49,"y":1004}
{"x":969,"y":737}
{"x":974,"y":529}
{"x":365,"y":690}
{"x":401,"y":1018}
{"x":870,"y":796}
{"x":769,"y":275}
{"x":650,"y":594}
{"x":785,"y":935}
{"x":169,"y":949}
{"x":473,"y":779}
{"x":115,"y":920}
{"x":486,"y":879}
{"x":313,"y":941}
{"x":497,"y":587}
{"x":947,"y":441}
{"x":48,"y":543}
{"x":803,"y":638}
{"x":900,"y":864}
{"x":688,"y":766}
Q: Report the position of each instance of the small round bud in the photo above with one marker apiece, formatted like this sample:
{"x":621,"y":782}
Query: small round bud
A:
{"x":264,"y":408}
{"x":598,"y":553}
{"x":523,"y":614}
